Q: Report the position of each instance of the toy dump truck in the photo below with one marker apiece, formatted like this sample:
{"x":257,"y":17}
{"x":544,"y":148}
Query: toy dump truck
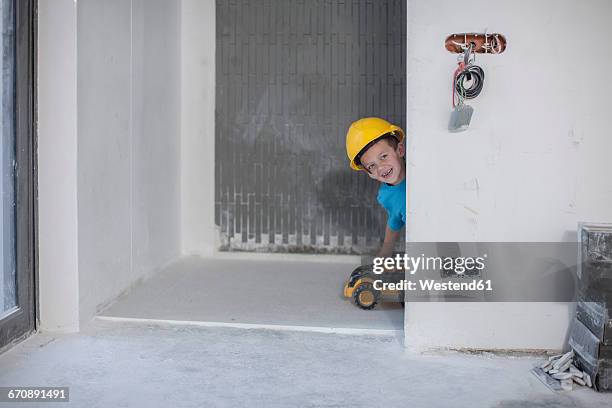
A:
{"x":367,"y":293}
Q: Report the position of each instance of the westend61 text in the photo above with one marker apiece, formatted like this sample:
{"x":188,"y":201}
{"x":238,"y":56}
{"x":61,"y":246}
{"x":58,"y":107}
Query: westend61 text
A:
{"x":430,"y":284}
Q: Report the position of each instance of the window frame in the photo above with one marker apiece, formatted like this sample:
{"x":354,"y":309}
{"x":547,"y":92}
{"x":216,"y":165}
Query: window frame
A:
{"x":22,"y":321}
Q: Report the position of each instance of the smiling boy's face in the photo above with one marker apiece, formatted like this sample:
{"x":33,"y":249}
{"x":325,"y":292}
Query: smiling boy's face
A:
{"x":384,"y":163}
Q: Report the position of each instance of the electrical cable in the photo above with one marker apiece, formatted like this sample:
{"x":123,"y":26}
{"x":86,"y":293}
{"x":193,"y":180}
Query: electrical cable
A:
{"x":471,"y":73}
{"x":454,"y":87}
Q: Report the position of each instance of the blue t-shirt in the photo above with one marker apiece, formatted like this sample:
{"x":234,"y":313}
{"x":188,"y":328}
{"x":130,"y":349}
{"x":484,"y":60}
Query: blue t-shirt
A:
{"x":393,"y":199}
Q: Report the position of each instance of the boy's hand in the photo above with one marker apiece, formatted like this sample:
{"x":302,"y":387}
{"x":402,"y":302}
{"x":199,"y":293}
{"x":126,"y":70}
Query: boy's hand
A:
{"x":391,"y":237}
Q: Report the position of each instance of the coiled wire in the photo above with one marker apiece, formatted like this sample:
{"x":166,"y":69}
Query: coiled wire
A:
{"x":475,"y":75}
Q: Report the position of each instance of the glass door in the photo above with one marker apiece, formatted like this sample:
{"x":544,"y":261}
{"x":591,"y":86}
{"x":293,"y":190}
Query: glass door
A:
{"x":17,"y":171}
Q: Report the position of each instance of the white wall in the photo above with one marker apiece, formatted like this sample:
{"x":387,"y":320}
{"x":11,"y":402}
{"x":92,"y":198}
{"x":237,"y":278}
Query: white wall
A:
{"x":156,"y":133}
{"x":533,"y":163}
{"x":57,"y":166}
{"x":128,"y":145}
{"x":198,"y":126}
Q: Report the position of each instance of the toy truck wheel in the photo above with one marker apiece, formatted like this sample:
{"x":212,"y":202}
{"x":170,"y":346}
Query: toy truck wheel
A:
{"x":366,"y":296}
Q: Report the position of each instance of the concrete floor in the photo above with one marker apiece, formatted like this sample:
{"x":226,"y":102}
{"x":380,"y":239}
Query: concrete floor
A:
{"x":244,"y":292}
{"x":140,"y":365}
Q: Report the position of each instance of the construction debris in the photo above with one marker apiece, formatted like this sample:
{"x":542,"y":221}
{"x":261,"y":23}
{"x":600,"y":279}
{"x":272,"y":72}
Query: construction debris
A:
{"x":590,"y":335}
{"x":560,"y":374}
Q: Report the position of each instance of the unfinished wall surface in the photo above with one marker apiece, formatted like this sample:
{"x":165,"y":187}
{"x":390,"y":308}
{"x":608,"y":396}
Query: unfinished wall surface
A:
{"x":58,"y":273}
{"x":291,"y":76}
{"x":198,"y":232}
{"x":532,"y":164}
{"x":128,"y":144}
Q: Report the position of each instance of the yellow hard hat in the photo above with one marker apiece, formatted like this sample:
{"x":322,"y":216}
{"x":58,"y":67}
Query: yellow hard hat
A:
{"x":364,"y":131}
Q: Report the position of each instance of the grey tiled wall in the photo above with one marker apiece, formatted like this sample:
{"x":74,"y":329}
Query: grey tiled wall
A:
{"x":291,"y":77}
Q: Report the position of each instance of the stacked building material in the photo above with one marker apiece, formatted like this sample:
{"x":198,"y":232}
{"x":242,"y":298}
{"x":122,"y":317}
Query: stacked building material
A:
{"x":559,"y":373}
{"x":591,"y":331}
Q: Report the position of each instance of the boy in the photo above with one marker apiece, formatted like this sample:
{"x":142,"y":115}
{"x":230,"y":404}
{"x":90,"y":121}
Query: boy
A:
{"x":375,"y":146}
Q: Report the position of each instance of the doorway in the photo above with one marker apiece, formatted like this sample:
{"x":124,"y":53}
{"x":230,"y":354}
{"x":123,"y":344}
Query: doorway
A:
{"x":288,"y":78}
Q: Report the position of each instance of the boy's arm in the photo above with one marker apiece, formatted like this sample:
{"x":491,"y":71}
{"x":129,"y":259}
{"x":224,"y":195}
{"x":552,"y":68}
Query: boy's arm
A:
{"x":391,"y":237}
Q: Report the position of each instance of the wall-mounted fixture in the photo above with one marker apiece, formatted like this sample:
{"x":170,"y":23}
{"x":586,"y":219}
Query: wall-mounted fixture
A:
{"x":482,"y":43}
{"x":468,"y":78}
